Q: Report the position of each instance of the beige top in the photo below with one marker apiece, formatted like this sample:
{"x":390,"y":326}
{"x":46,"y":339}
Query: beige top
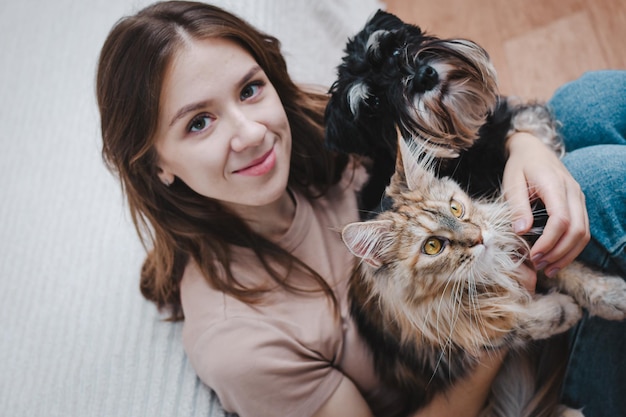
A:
{"x":284,"y":357}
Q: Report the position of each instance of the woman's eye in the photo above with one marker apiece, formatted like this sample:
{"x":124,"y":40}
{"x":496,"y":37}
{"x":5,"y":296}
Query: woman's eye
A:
{"x":433,"y":246}
{"x":457,"y":208}
{"x":250,"y":90}
{"x":199,"y":123}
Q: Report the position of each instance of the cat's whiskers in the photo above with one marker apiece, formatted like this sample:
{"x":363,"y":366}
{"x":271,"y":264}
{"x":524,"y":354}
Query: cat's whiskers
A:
{"x":484,"y":340}
{"x":474,"y":305}
{"x":438,"y":315}
{"x":456,"y":300}
{"x":457,"y":288}
{"x":476,"y":339}
{"x":447,"y":344}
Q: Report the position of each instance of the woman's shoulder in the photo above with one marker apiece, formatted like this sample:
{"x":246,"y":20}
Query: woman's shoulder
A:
{"x":204,"y":304}
{"x":284,"y":317}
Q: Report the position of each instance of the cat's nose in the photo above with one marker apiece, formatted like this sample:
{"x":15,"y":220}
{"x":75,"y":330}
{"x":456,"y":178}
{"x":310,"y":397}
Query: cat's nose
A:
{"x":478,"y":240}
{"x":474,"y":236}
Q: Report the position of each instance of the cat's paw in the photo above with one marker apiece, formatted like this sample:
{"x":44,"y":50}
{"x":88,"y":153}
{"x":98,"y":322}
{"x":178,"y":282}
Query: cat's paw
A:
{"x":571,"y":312}
{"x":551,"y":314}
{"x":607,"y":298}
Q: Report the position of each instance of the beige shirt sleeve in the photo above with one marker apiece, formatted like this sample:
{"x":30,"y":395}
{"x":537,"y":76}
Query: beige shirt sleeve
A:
{"x":286,"y":355}
{"x":259,"y":370}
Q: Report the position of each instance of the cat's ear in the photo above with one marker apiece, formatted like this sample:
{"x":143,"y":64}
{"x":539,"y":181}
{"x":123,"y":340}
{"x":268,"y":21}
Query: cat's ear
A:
{"x":369,"y":240}
{"x":413,"y":166}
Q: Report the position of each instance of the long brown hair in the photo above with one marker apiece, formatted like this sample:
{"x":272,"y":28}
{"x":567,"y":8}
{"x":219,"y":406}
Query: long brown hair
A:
{"x":175,"y":223}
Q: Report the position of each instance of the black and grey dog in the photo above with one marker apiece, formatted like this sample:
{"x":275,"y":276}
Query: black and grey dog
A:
{"x":440,"y":92}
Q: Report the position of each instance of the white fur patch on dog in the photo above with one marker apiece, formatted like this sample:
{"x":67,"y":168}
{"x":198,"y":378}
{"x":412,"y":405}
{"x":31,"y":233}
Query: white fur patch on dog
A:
{"x":372,"y":41}
{"x":357,"y":93}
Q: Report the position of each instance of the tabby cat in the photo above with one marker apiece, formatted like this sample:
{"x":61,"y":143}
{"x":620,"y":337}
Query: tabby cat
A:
{"x":437,"y":287}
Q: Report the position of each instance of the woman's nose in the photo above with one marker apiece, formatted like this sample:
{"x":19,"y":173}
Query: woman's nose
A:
{"x":246,"y":132}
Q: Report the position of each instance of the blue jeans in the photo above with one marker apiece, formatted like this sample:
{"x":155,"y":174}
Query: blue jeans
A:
{"x":592,"y":113}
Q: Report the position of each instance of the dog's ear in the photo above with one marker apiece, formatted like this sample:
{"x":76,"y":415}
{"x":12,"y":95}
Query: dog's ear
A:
{"x":358,"y":57}
{"x":368,"y":133}
{"x":378,"y":33}
{"x":384,"y":21}
{"x":357,"y":119}
{"x":342,"y":132}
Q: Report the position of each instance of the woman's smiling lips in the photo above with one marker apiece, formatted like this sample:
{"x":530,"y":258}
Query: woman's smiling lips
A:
{"x":259,"y":166}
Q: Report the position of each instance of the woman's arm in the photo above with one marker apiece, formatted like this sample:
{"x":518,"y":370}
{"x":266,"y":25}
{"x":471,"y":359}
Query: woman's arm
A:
{"x":534,"y":171}
{"x":468,"y":396}
{"x":346,"y":401}
{"x":465,"y":399}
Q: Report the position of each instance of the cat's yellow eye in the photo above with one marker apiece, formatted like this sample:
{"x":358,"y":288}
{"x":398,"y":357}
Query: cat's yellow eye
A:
{"x":433,"y":246}
{"x":457,"y":209}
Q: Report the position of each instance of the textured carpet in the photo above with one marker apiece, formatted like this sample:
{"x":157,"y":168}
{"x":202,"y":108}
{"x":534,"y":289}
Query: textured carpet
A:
{"x":76,"y":338}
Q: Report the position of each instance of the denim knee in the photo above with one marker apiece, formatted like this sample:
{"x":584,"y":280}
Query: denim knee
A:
{"x":592,"y":109}
{"x":601,"y":171}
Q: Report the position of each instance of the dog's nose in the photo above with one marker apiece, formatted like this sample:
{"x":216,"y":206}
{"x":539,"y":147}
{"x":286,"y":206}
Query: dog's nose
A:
{"x":426,"y":79}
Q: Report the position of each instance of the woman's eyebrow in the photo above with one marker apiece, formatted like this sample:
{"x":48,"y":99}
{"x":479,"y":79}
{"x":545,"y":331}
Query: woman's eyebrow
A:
{"x":249,"y":75}
{"x":200,"y":104}
{"x":189,"y":108}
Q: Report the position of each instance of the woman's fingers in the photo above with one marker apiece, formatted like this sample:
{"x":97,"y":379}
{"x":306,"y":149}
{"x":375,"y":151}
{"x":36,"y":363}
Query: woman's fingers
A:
{"x":533,"y":171}
{"x":567,"y":232}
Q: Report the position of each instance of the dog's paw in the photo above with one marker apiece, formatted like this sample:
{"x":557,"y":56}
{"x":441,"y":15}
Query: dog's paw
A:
{"x":607,"y":298}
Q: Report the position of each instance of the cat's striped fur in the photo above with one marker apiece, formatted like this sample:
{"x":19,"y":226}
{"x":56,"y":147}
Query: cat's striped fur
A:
{"x":437,"y":290}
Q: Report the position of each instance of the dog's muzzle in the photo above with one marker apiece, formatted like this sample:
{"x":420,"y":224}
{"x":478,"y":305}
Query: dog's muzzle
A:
{"x":425,"y":79}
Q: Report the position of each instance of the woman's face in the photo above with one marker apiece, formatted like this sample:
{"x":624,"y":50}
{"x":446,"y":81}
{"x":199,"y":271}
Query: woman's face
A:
{"x":222,"y":127}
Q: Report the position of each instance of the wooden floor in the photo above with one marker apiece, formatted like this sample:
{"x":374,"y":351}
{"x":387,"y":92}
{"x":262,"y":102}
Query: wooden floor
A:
{"x":536,"y":45}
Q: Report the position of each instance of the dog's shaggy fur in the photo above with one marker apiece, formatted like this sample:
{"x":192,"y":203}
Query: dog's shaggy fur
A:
{"x":442,"y":92}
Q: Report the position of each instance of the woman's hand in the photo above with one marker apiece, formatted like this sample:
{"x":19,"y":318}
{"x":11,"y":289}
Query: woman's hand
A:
{"x":534,"y":172}
{"x":465,"y":398}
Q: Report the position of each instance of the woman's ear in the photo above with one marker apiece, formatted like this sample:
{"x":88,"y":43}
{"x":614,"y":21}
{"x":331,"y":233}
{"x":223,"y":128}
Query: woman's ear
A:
{"x":165,"y":176}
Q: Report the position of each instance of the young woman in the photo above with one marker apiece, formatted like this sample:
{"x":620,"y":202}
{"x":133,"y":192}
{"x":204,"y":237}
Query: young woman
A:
{"x":222,"y":161}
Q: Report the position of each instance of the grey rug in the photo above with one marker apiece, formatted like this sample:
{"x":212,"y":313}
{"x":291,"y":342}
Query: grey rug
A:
{"x":77,"y":338}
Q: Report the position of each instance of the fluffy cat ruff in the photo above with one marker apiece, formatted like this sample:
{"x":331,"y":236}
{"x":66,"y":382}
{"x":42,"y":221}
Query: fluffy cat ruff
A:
{"x":437,"y":289}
